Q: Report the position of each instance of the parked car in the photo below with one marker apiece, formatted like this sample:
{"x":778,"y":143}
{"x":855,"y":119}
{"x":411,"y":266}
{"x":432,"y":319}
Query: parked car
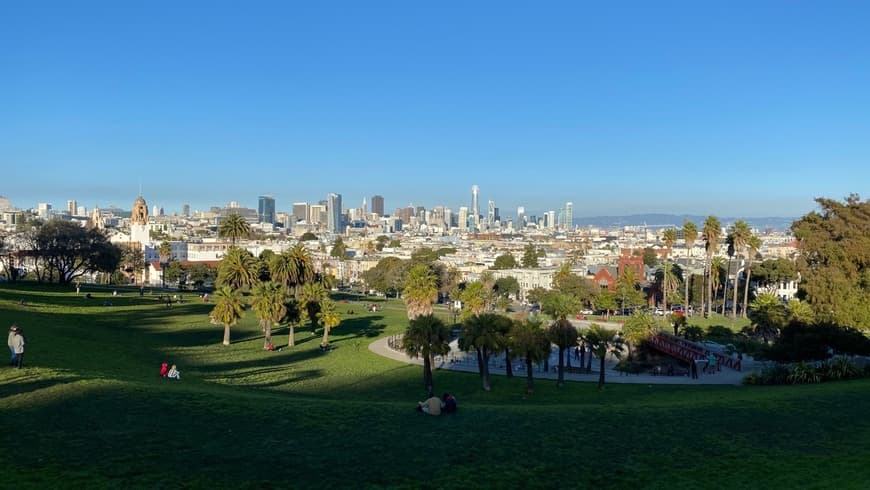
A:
{"x":587,"y":311}
{"x":660,"y":312}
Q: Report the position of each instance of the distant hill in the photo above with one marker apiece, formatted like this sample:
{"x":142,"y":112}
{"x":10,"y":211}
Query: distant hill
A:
{"x":658,"y":220}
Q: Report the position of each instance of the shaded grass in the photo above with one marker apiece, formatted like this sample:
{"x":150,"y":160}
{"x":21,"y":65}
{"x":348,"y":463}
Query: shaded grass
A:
{"x":91,"y":412}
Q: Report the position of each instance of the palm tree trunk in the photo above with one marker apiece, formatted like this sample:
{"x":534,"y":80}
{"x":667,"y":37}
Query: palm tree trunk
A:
{"x":665,"y":288}
{"x":736,"y":289}
{"x":267,"y":334}
{"x":484,"y":374}
{"x":746,"y":288}
{"x":710,"y":282}
{"x":325,"y":340}
{"x":530,"y":379}
{"x":226,"y":334}
{"x":561,"y":367}
{"x":427,"y":373}
{"x":291,"y":340}
{"x":601,"y":373}
{"x":508,"y":369}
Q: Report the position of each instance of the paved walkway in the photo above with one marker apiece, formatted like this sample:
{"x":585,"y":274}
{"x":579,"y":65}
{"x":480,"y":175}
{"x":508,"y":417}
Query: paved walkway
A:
{"x":462,"y":361}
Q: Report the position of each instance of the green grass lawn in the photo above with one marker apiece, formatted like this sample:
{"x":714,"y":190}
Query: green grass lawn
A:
{"x":90,"y":412}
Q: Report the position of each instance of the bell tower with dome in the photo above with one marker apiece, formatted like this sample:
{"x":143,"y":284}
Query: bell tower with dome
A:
{"x":140,"y":231}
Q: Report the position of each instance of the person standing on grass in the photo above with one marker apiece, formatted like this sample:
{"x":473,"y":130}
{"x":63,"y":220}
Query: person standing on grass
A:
{"x":18,"y":346}
{"x":11,"y":343}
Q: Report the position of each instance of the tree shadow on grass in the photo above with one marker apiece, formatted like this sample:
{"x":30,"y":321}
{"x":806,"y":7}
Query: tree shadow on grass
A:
{"x":16,"y":387}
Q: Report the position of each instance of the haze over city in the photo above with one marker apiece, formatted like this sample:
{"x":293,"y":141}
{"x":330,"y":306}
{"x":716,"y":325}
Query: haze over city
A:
{"x":675,"y":108}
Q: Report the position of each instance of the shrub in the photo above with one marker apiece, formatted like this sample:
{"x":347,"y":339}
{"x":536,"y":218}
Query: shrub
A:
{"x":803,"y":373}
{"x":838,"y":369}
{"x":693,"y":332}
{"x":773,"y":375}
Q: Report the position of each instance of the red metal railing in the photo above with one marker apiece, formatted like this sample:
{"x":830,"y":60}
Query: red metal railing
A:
{"x":689,"y":351}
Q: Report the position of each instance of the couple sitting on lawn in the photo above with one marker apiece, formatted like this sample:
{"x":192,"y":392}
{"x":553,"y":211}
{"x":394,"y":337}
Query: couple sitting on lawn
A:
{"x":436,"y":406}
{"x":167,"y":372}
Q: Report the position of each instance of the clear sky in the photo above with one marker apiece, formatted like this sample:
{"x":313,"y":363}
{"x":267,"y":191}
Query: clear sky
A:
{"x":729,"y":108}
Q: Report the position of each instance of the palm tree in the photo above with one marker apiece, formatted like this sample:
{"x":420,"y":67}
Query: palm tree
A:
{"x":601,"y":341}
{"x":228,"y":309}
{"x":712,"y":230}
{"x":238,"y":269}
{"x":328,"y":318}
{"x":270,"y":305}
{"x":304,"y":269}
{"x":559,"y":306}
{"x":427,"y":336}
{"x":717,"y":272}
{"x":420,"y":292}
{"x":753,"y":244}
{"x":564,"y":335}
{"x":283,"y":268}
{"x":480,"y":333}
{"x":292,"y":316}
{"x":740,"y":233}
{"x":768,"y":316}
{"x":234,"y":227}
{"x":670,"y":238}
{"x":690,"y":234}
{"x":311,"y":297}
{"x":164,"y":252}
{"x":530,"y":341}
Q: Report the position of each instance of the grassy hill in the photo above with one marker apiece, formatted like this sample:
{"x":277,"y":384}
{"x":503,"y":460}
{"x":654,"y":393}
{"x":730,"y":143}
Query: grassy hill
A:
{"x":90,"y":411}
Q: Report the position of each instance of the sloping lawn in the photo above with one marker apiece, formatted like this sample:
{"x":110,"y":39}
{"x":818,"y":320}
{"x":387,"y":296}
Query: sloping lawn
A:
{"x":89,"y":411}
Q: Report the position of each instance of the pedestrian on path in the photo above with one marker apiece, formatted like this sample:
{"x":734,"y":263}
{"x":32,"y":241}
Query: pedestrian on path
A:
{"x":694,"y":369}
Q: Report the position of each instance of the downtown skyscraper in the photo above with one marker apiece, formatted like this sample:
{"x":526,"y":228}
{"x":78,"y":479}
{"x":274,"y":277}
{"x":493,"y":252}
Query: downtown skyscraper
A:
{"x":333,"y":213}
{"x":475,"y":205}
{"x":266,"y":209}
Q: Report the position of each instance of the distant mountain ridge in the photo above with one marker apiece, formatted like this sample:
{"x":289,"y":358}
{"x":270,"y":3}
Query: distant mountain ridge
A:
{"x":660,"y":220}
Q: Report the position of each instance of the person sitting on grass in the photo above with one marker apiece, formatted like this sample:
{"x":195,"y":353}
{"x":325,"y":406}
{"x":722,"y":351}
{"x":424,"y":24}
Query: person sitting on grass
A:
{"x":173,"y":373}
{"x":448,"y":402}
{"x":431,"y":406}
{"x":164,"y":370}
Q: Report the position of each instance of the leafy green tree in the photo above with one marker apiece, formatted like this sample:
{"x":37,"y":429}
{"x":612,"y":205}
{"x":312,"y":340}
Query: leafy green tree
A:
{"x":690,"y":234}
{"x":381,"y":241}
{"x":507,"y":286}
{"x":627,"y":291}
{"x":395,"y":244}
{"x":420,"y":292}
{"x":481,"y":334}
{"x":228,"y":309}
{"x":773,"y":271}
{"x":133,"y":260}
{"x":308,"y":237}
{"x":426,"y":336}
{"x":328,"y":318}
{"x":607,"y":301}
{"x":601,"y":341}
{"x":234,"y":227}
{"x":505,"y":261}
{"x":339,"y":249}
{"x":637,"y":328}
{"x":650,"y":257}
{"x":531,"y":254}
{"x":238,"y":269}
{"x":70,"y":251}
{"x":711,"y":232}
{"x":175,"y":274}
{"x":581,"y":288}
{"x":199,"y":274}
{"x":536,"y":295}
{"x":270,"y":306}
{"x":530,"y":341}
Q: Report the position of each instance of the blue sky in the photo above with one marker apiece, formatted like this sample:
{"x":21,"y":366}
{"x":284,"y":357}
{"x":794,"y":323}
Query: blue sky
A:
{"x":727,"y":108}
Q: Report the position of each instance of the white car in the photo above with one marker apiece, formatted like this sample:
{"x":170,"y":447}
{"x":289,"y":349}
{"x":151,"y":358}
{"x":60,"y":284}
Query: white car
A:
{"x":587,"y":312}
{"x":660,"y":312}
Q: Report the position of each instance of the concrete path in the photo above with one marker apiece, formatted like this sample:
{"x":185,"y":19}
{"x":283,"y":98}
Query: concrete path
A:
{"x":462,"y":361}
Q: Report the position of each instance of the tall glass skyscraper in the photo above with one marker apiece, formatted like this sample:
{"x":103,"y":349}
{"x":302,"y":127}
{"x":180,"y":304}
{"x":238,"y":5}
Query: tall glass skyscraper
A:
{"x":333,"y":212}
{"x":475,"y":205}
{"x":266,"y":210}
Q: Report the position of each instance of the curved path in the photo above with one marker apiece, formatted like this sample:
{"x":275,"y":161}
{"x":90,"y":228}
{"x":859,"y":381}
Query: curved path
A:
{"x":459,"y":361}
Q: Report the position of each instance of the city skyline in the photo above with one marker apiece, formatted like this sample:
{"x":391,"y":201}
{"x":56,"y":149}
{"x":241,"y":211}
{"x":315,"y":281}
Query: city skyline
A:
{"x":684,"y":108}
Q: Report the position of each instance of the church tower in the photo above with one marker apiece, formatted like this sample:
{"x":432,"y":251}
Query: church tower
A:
{"x":140,"y":231}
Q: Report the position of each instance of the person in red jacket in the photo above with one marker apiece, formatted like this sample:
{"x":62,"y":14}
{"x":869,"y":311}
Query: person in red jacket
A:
{"x":164,"y":370}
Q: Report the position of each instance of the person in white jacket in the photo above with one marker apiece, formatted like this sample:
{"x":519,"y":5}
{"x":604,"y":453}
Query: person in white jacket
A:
{"x":173,"y":373}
